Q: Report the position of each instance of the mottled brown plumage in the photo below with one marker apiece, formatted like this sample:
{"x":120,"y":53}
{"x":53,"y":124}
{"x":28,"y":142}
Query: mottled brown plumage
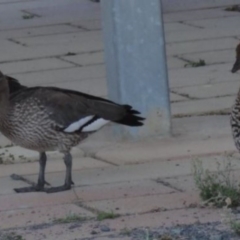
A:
{"x":48,"y":118}
{"x":235,"y":113}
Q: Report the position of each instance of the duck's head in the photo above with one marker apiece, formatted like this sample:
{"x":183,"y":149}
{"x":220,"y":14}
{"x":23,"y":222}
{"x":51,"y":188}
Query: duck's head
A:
{"x":236,"y":65}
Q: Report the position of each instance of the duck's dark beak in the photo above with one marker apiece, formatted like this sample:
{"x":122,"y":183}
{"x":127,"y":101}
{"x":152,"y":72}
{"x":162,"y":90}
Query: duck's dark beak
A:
{"x":236,"y":66}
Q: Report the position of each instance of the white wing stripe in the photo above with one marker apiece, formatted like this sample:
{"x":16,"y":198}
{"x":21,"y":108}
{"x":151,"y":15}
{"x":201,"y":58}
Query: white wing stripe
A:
{"x":96,"y":125}
{"x":77,"y":125}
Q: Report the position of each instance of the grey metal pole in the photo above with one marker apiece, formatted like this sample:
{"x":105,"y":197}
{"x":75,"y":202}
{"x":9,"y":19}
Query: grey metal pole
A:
{"x":136,"y":62}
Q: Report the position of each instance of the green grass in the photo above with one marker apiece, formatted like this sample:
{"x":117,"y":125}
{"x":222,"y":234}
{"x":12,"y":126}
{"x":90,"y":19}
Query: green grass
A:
{"x":69,"y":219}
{"x":106,"y":215}
{"x":199,"y":63}
{"x":217,"y":188}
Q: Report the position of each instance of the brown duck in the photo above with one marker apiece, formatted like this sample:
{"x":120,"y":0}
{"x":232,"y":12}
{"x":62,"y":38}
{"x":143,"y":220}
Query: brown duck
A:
{"x":49,"y":118}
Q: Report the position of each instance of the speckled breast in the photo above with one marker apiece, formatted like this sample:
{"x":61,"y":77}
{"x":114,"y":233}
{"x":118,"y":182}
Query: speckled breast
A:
{"x":29,"y":125}
{"x":235,"y":124}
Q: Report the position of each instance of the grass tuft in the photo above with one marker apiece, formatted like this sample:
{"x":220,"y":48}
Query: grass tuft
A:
{"x":232,"y":221}
{"x":70,"y":218}
{"x":233,"y":8}
{"x":28,"y":16}
{"x":219,"y":188}
{"x":199,"y":63}
{"x":11,"y":236}
{"x":107,"y":215}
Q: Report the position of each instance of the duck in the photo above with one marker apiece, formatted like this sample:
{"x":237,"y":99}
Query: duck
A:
{"x":235,"y":111}
{"x":46,"y":119}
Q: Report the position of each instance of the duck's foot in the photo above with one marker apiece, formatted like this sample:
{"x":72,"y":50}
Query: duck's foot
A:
{"x":62,"y":188}
{"x":29,"y":189}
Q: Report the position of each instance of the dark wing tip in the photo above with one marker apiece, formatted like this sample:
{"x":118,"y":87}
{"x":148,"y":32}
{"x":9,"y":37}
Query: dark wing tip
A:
{"x":130,"y":118}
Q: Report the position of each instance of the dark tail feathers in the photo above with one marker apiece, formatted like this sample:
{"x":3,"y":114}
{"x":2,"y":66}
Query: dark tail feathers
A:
{"x":130,"y":119}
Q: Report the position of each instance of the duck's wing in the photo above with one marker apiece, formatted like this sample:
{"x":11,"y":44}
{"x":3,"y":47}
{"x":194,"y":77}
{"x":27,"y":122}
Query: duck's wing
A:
{"x":74,"y":111}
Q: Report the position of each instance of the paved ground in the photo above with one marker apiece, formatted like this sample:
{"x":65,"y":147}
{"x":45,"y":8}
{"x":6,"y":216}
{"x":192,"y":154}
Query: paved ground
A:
{"x":148,"y":183}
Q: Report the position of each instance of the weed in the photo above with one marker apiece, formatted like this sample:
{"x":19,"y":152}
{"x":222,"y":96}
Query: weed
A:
{"x":166,"y":237}
{"x":147,"y":235}
{"x":232,"y":221}
{"x":11,"y":236}
{"x":235,"y":226}
{"x":233,"y":8}
{"x":28,"y":16}
{"x":106,"y":215}
{"x":70,"y":218}
{"x":70,"y":54}
{"x":9,"y":145}
{"x":217,"y":188}
{"x":199,"y":63}
{"x":126,"y":232}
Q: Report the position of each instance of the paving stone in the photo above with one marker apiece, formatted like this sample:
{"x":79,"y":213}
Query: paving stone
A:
{"x":15,"y":154}
{"x":208,"y":127}
{"x":33,"y":200}
{"x":147,"y":170}
{"x":146,"y":204}
{"x":176,"y":98}
{"x":65,"y":38}
{"x":88,"y":25}
{"x":174,"y":63}
{"x":34,"y":65}
{"x":40,"y":215}
{"x":203,"y":106}
{"x":53,"y":77}
{"x":184,"y":183}
{"x":223,"y":56}
{"x":210,"y":90}
{"x":200,"y":46}
{"x":87,"y":58}
{"x":53,"y":165}
{"x":136,"y":153}
{"x":39,"y":31}
{"x":121,"y":190}
{"x":217,"y":23}
{"x":78,"y":10}
{"x":201,"y":75}
{"x":83,"y":45}
{"x":96,"y":86}
{"x":196,"y":35}
{"x":198,"y":14}
{"x":167,"y":218}
{"x":7,"y":185}
{"x":174,"y":6}
{"x":176,"y":26}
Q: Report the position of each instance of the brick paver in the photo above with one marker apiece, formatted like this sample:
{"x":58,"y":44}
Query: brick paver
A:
{"x":149,"y":183}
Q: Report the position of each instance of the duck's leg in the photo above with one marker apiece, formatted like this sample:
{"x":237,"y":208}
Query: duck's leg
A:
{"x":68,"y":179}
{"x":41,"y":177}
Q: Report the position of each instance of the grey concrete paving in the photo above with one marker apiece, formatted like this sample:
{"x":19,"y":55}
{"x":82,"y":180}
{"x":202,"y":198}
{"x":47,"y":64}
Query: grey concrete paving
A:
{"x":59,"y":43}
